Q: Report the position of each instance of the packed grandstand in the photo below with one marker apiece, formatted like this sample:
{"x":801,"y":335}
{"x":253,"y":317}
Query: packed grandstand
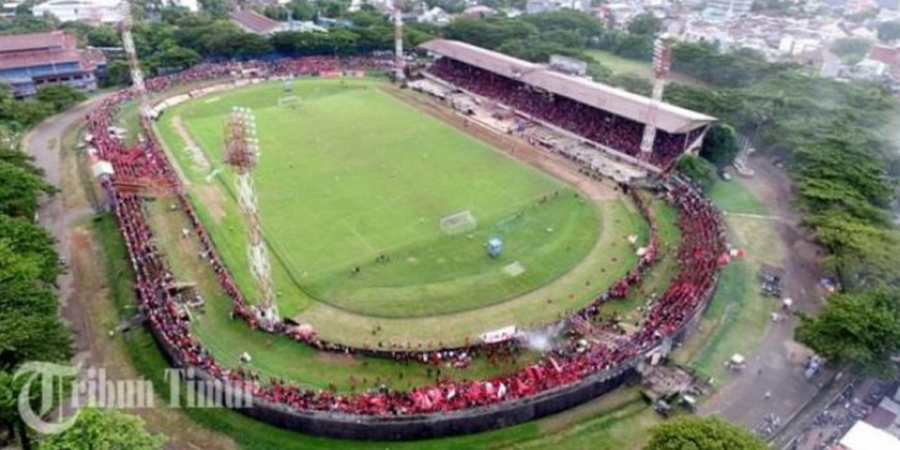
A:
{"x":701,"y":252}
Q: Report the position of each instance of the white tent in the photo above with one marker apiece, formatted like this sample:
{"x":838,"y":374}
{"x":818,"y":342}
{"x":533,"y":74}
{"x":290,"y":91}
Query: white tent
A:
{"x":866,"y":437}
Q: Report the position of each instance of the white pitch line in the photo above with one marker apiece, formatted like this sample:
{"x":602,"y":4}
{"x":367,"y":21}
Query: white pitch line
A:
{"x":361,"y":238}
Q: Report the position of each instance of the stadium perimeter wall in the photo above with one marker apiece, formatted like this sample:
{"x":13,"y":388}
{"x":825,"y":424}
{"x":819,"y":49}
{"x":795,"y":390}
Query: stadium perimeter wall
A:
{"x":396,"y":428}
{"x":405,"y":428}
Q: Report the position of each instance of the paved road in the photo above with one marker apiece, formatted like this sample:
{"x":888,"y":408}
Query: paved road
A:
{"x":777,"y":366}
{"x":43,"y":142}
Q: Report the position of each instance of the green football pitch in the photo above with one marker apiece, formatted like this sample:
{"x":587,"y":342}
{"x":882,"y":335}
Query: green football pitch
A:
{"x":352,"y":186}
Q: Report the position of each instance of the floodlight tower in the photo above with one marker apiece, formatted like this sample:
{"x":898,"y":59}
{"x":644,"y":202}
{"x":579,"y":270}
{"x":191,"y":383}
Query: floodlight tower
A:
{"x":134,"y":66}
{"x":399,"y":61}
{"x":241,"y":153}
{"x":662,"y":61}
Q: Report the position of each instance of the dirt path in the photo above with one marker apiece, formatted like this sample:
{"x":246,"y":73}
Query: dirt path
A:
{"x":83,"y":289}
{"x":777,"y":365}
{"x":191,"y":145}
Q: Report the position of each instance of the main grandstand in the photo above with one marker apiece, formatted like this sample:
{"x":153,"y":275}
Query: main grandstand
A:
{"x":610,"y":119}
{"x":592,"y":352}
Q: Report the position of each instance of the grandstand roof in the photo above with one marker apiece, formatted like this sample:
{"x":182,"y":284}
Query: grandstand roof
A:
{"x":29,"y":50}
{"x":669,"y":118}
{"x":254,"y":22}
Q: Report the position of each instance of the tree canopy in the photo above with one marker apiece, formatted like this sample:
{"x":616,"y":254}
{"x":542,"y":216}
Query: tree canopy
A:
{"x":103,"y":429}
{"x":645,"y":24}
{"x":859,"y":329}
{"x":889,"y":31}
{"x":699,"y":170}
{"x":694,"y":433}
{"x":851,"y":50}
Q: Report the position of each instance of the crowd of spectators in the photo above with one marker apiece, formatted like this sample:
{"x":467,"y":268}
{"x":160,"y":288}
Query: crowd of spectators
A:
{"x":701,"y":246}
{"x":595,"y":125}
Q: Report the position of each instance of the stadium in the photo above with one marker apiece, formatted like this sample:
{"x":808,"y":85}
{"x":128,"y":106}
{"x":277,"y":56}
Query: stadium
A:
{"x":489,"y":242}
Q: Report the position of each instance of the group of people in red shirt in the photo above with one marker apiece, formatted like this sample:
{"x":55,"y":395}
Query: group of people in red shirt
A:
{"x":593,"y":124}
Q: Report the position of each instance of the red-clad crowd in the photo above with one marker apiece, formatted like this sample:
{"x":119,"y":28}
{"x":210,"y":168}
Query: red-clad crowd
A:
{"x":596,"y":125}
{"x":701,"y":247}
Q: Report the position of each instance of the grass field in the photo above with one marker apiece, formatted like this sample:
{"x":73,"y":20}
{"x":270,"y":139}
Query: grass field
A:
{"x":352,"y":174}
{"x":738,"y":317}
{"x":643,"y":69}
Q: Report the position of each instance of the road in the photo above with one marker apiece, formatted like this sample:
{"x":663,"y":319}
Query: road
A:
{"x":776,"y":367}
{"x":44,"y":143}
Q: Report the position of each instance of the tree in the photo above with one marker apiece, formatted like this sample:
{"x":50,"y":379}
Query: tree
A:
{"x":851,"y":50}
{"x":118,"y":73}
{"x":103,"y":36}
{"x":217,"y":9}
{"x":175,"y":57}
{"x":489,"y":33}
{"x":861,"y":330}
{"x":720,"y":145}
{"x":28,"y":240}
{"x":694,"y":433}
{"x":889,"y":31}
{"x":59,"y":96}
{"x":645,"y":24}
{"x":700,"y":171}
{"x":20,"y":190}
{"x":97,"y":429}
{"x":302,"y":9}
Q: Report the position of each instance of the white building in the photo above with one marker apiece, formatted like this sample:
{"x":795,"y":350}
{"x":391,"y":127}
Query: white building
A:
{"x":866,"y":437}
{"x":88,"y":11}
{"x":191,"y":5}
{"x":436,"y":16}
{"x":539,"y":6}
{"x":8,"y":8}
{"x":732,"y":8}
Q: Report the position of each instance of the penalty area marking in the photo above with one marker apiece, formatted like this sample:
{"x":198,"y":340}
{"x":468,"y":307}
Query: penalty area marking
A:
{"x":359,"y":236}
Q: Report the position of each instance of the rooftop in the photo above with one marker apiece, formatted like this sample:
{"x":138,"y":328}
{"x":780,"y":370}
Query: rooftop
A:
{"x":28,"y":50}
{"x":255,"y":22}
{"x":866,"y":437}
{"x":32,"y":42}
{"x":669,"y":118}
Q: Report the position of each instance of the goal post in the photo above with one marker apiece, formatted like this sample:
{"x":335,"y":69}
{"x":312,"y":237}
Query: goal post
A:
{"x":291,"y":100}
{"x":461,"y":222}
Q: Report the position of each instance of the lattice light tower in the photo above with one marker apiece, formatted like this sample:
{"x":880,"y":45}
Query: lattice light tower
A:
{"x":399,"y":61}
{"x":241,"y":153}
{"x":134,"y":66}
{"x":662,"y":62}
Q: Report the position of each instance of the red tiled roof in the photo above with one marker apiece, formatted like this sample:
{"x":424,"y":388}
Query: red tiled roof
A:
{"x":28,"y":50}
{"x":254,"y":22}
{"x":887,"y":55}
{"x":30,"y":42}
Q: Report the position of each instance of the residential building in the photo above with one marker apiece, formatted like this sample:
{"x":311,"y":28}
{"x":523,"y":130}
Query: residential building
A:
{"x":539,"y":6}
{"x":28,"y":61}
{"x":93,"y":12}
{"x":435,"y":16}
{"x":732,"y":8}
